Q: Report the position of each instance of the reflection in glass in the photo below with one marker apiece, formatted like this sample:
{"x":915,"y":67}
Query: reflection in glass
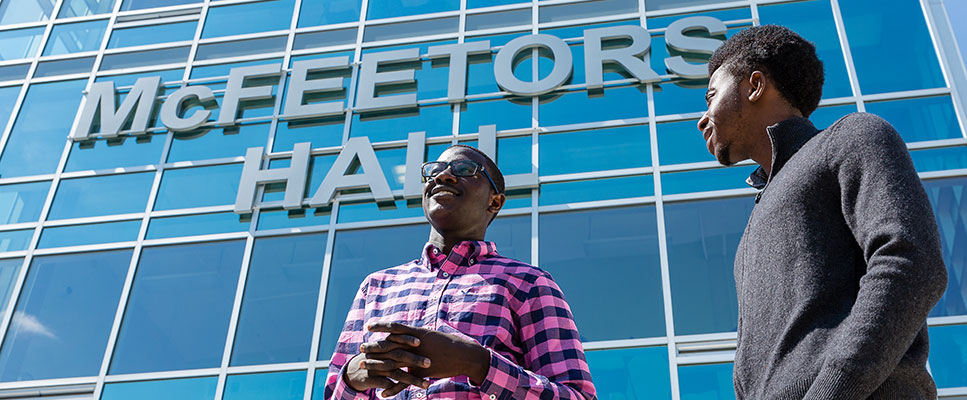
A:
{"x":179,"y":309}
{"x":398,"y":8}
{"x":211,"y":71}
{"x":823,"y":117}
{"x":101,"y":195}
{"x":78,"y":235}
{"x":352,"y":259}
{"x":595,"y":150}
{"x":36,"y":140}
{"x":22,"y":202}
{"x":13,"y":72}
{"x":399,"y":30}
{"x":705,"y":382}
{"x":279,"y":304}
{"x":80,"y":8}
{"x":61,"y":324}
{"x":623,"y":245}
{"x":336,"y":37}
{"x":25,"y":11}
{"x":918,"y":119}
{"x":652,"y":5}
{"x":198,"y":187}
{"x":499,"y":19}
{"x":702,"y":239}
{"x":64,"y":67}
{"x":142,"y":4}
{"x":949,"y":198}
{"x":321,"y":132}
{"x":211,"y":143}
{"x":200,"y":224}
{"x":240,"y":48}
{"x":273,"y":385}
{"x":18,"y":240}
{"x":597,"y":189}
{"x":152,"y":34}
{"x":127,"y":80}
{"x":144,"y":58}
{"x":181,"y":389}
{"x":512,"y":235}
{"x":8,"y":98}
{"x":263,"y":16}
{"x":515,"y":113}
{"x":75,"y":38}
{"x":732,"y":14}
{"x":9,"y":271}
{"x":581,"y":106}
{"x":681,"y":142}
{"x":948,"y":355}
{"x":587,"y":9}
{"x":939,"y":159}
{"x":115,"y":153}
{"x":635,"y":373}
{"x":279,"y":219}
{"x":318,"y":167}
{"x":359,"y":211}
{"x":396,"y":125}
{"x":706,"y":180}
{"x":20,"y":43}
{"x":325,"y":12}
{"x":319,"y":384}
{"x":514,"y":155}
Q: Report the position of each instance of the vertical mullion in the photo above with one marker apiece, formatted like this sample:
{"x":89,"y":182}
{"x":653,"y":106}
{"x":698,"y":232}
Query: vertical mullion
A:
{"x":233,"y":322}
{"x":945,"y":53}
{"x":321,"y":302}
{"x":847,"y":55}
{"x":535,"y":140}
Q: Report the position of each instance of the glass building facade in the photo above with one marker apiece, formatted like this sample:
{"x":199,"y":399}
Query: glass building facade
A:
{"x":126,"y":274}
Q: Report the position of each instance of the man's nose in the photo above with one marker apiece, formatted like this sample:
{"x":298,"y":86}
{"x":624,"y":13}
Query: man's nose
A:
{"x":703,"y":122}
{"x":446,"y":176}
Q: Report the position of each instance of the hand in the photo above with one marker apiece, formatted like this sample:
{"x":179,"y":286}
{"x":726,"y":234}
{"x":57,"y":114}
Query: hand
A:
{"x":380,"y":365}
{"x":449,"y":354}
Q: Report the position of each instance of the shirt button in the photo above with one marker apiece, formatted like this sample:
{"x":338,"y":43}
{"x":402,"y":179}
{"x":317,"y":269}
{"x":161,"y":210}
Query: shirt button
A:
{"x":436,"y":250}
{"x":493,"y":397}
{"x":473,"y":261}
{"x":446,"y":275}
{"x":420,"y":395}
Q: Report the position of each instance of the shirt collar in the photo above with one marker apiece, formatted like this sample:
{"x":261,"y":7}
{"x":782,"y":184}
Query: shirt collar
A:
{"x":787,"y":137}
{"x":465,"y":253}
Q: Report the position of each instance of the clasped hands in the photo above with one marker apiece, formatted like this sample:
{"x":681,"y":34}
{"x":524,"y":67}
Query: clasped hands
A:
{"x":410,"y":354}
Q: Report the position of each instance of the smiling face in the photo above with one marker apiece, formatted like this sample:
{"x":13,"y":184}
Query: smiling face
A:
{"x":460,"y":206}
{"x":726,"y":126}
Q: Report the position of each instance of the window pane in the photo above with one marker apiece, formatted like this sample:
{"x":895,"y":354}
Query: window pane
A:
{"x":177,"y":287}
{"x":319,"y":384}
{"x":595,"y":150}
{"x":15,"y":240}
{"x":887,"y":42}
{"x":77,"y":235}
{"x":211,"y":143}
{"x":399,"y":30}
{"x":101,"y":195}
{"x":152,"y":34}
{"x":278,"y":219}
{"x":198,"y":187}
{"x":25,"y":11}
{"x":279,"y":305}
{"x":925,"y":118}
{"x":13,"y":72}
{"x":631,"y":373}
{"x":8,"y":98}
{"x":706,"y":180}
{"x":322,"y":132}
{"x":940,"y":159}
{"x":170,"y":76}
{"x":263,"y":16}
{"x":352,"y":259}
{"x":582,"y":106}
{"x":222,"y":70}
{"x":142,"y":4}
{"x":489,"y":3}
{"x":115,"y":153}
{"x":397,"y":8}
{"x":318,"y":167}
{"x":702,"y":239}
{"x":512,"y":235}
{"x":706,"y":382}
{"x":370,"y":211}
{"x":499,"y":19}
{"x":325,"y":12}
{"x":949,"y":200}
{"x":145,"y":58}
{"x":274,"y":385}
{"x":325,"y":38}
{"x":181,"y":389}
{"x":75,"y":38}
{"x":652,"y":5}
{"x":201,"y":224}
{"x":731,"y":14}
{"x":823,"y":117}
{"x":20,"y":43}
{"x":681,"y":142}
{"x":595,"y":8}
{"x":64,"y":67}
{"x":597,"y":189}
{"x":948,"y":355}
{"x":396,"y":125}
{"x":22,"y":202}
{"x":63,"y":318}
{"x":622,"y":242}
{"x":80,"y":8}
{"x":36,"y":142}
{"x":240,"y":48}
{"x":514,"y":114}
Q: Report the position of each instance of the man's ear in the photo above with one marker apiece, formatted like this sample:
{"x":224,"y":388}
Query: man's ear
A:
{"x":759,"y":84}
{"x":496,"y":202}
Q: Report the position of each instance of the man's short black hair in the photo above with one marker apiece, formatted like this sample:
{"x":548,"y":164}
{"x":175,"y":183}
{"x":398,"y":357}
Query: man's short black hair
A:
{"x":788,"y":59}
{"x":490,"y":165}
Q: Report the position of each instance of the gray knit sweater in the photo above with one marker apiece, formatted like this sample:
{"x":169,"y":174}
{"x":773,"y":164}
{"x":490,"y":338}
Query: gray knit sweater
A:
{"x":838,"y":268}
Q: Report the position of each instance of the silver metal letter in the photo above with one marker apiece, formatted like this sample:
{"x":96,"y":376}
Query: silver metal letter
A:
{"x":457,"y":85}
{"x":504,"y":65}
{"x":371,"y":175}
{"x":675,"y":39}
{"x":101,"y":97}
{"x":299,"y":85}
{"x":234,"y":92}
{"x":412,"y":177}
{"x":172,"y":105}
{"x":627,"y":57}
{"x":369,"y":77}
{"x":252,"y":175}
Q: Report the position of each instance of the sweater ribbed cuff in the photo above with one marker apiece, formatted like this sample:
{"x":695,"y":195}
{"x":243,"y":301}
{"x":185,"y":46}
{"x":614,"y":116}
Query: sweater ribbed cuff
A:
{"x":835,"y":384}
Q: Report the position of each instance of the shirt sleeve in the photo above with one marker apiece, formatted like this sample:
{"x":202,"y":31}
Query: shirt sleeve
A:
{"x":886,"y":208}
{"x":553,"y":366}
{"x":347,"y":347}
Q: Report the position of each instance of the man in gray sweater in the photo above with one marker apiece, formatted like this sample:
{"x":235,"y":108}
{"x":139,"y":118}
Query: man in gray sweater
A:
{"x":840,"y":262}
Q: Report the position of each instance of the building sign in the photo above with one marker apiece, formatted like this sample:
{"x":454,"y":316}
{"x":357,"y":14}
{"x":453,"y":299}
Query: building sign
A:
{"x":181,"y":111}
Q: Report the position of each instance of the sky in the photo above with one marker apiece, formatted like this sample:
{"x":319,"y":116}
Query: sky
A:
{"x":957,"y":13}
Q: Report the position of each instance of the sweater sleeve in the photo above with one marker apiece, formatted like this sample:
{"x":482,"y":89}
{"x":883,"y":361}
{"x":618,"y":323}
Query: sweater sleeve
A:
{"x":887,"y":210}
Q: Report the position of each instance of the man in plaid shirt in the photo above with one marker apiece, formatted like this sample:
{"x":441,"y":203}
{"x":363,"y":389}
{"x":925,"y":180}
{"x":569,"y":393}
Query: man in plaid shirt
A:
{"x":460,"y":322}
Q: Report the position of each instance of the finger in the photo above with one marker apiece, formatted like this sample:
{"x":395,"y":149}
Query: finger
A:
{"x":392,"y":327}
{"x":406,"y":378}
{"x":394,"y":390}
{"x":379,"y":346}
{"x":380,"y":365}
{"x":407,"y":340}
{"x":406,"y":358}
{"x":381,"y":382}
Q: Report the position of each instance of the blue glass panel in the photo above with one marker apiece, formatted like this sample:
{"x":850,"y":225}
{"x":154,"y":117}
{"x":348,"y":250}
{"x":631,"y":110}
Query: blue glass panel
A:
{"x":949,"y":200}
{"x":514,"y":114}
{"x":322,"y":132}
{"x":278,"y":219}
{"x":145,"y":58}
{"x":318,"y":168}
{"x":823,"y":117}
{"x":279,"y":304}
{"x":143,"y":4}
{"x":25,"y":11}
{"x":722,"y":15}
{"x":581,"y":106}
{"x":310,"y":40}
{"x":431,"y":77}
{"x":101,"y":195}
{"x":577,"y":32}
{"x":114,"y":153}
{"x":210,"y":143}
{"x":400,"y":30}
{"x":681,"y":142}
{"x":15,"y":240}
{"x":319,"y":384}
{"x":652,"y":5}
{"x":620,"y":242}
{"x":80,"y":8}
{"x":680,"y":97}
{"x":325,"y":12}
{"x":152,"y":34}
{"x":397,"y":8}
{"x":514,"y":155}
{"x":706,"y":382}
{"x":924,"y":118}
{"x":883,"y":51}
{"x":198,"y":187}
{"x":37,"y":140}
{"x":211,"y":71}
{"x":20,"y":43}
{"x":939,"y":159}
{"x":274,"y":385}
{"x":22,"y":202}
{"x":706,"y":180}
{"x":490,"y":3}
{"x":597,"y":189}
{"x":64,"y":67}
{"x":595,"y":150}
{"x":702,"y":239}
{"x":499,"y":19}
{"x":480,"y":67}
{"x":263,"y":16}
{"x":953,"y":8}
{"x":61,"y":324}
{"x":13,"y":72}
{"x":75,"y":38}
{"x":239,"y":48}
{"x":9,"y":271}
{"x":396,"y":125}
{"x":587,"y":9}
{"x":181,"y":389}
{"x":948,"y":355}
{"x":169,"y":75}
{"x":177,"y":287}
{"x":352,"y":259}
{"x":370,"y":211}
{"x":77,"y":235}
{"x":512,"y":235}
{"x":201,"y":224}
{"x":8,"y":98}
{"x":636,"y":373}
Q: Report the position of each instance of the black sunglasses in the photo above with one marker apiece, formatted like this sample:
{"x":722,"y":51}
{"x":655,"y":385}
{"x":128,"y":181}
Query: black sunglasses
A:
{"x":458,"y":168}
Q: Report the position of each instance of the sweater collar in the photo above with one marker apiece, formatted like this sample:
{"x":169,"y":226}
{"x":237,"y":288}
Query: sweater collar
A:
{"x":787,"y":137}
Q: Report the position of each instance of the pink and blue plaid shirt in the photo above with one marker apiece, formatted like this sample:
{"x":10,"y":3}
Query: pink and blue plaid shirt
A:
{"x":512,"y":308}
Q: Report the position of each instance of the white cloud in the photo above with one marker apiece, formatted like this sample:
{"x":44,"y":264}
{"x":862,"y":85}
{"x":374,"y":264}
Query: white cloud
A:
{"x":29,"y":323}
